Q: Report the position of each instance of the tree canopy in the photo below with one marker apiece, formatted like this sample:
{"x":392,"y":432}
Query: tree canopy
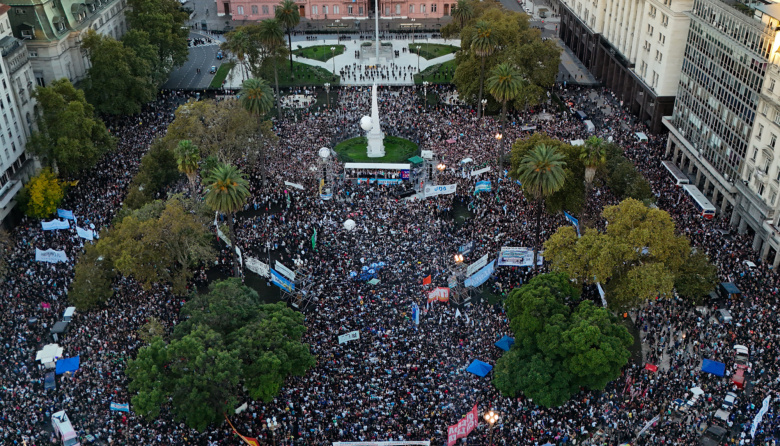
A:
{"x":638,"y":257}
{"x":161,"y":25}
{"x":94,"y":276}
{"x":516,"y":43}
{"x":118,"y":81}
{"x":69,"y":138}
{"x":559,"y":347}
{"x":229,"y":342}
{"x":41,"y":196}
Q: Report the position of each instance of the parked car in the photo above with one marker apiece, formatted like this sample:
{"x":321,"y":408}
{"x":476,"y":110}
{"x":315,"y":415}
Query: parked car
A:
{"x":220,"y":55}
{"x":213,"y":69}
{"x":729,"y":401}
{"x":724,"y":316}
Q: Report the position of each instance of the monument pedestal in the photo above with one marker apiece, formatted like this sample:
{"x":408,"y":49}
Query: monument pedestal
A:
{"x":375,"y":136}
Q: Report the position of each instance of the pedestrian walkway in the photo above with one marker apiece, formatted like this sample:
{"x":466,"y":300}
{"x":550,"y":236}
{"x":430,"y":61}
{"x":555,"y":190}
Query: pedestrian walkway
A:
{"x":572,"y":70}
{"x":348,"y":59}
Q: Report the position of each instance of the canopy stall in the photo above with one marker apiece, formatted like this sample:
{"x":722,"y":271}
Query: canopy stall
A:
{"x":479,"y":368}
{"x":713,"y":367}
{"x":505,"y":343}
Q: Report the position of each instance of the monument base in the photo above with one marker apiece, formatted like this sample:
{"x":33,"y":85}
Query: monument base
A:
{"x":376,"y":145}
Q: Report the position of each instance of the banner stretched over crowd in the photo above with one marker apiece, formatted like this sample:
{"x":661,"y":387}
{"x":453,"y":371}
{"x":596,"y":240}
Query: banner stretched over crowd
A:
{"x":518,"y":256}
{"x":477,"y":172}
{"x":295,"y":185}
{"x":50,"y":255}
{"x":282,"y":282}
{"x":463,"y":428}
{"x":444,"y":189}
{"x":85,"y":233}
{"x":351,"y":336}
{"x":760,"y":416}
{"x":119,"y":407}
{"x":441,"y":294}
{"x":481,"y":276}
{"x":481,"y":262}
{"x":381,"y":443}
{"x":257,"y":267}
{"x":55,"y":224}
{"x":66,"y":214}
{"x":483,"y":186}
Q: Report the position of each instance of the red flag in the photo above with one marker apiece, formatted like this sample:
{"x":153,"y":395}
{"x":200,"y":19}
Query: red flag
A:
{"x":427,"y":280}
{"x":248,"y":440}
{"x":464,"y":427}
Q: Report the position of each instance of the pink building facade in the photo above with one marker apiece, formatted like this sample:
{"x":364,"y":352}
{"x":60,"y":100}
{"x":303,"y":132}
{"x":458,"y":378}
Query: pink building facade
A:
{"x":333,"y":9}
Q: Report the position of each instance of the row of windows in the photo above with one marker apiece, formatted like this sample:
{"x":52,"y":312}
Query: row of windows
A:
{"x":326,"y":9}
{"x":729,"y":22}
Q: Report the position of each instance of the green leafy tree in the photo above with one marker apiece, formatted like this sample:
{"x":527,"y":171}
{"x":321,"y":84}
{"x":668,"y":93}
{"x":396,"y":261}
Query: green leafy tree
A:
{"x":162,"y":25}
{"x":187,"y":161}
{"x":70,"y":139}
{"x":226,"y":193}
{"x":559,"y":350}
{"x":541,"y":174}
{"x":150,"y":330}
{"x":41,"y":196}
{"x":260,"y":342}
{"x":138,"y":41}
{"x":288,"y":15}
{"x":159,"y":248}
{"x":593,"y":155}
{"x":637,"y":257}
{"x":257,"y":99}
{"x":271,"y":36}
{"x":696,"y":278}
{"x":571,"y":197}
{"x":118,"y":82}
{"x":94,"y":276}
{"x":623,"y":178}
{"x":158,"y":170}
{"x":463,"y":12}
{"x":483,"y":44}
{"x":504,"y":84}
{"x":240,"y":43}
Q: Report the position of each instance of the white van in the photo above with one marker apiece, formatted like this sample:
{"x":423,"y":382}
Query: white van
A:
{"x":68,"y":315}
{"x":60,"y":423}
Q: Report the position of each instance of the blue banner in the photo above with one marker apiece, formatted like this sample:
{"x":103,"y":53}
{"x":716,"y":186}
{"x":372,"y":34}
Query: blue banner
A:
{"x":404,"y":174}
{"x":281,"y":281}
{"x":62,"y":213}
{"x":466,"y":248}
{"x":379,"y":180}
{"x":573,"y":221}
{"x":55,"y":224}
{"x":416,"y":314}
{"x":481,"y":276}
{"x":120,"y":407}
{"x":483,"y":186}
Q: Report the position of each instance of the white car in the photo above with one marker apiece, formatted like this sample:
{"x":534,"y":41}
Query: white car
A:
{"x":729,"y":401}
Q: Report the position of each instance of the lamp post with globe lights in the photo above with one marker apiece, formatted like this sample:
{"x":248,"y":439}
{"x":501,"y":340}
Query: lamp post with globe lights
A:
{"x":484,"y":103}
{"x":333,"y":56}
{"x":491,"y":417}
{"x":272,"y":426}
{"x":425,"y":92}
{"x":327,"y":92}
{"x":418,"y":58}
{"x":500,"y":138}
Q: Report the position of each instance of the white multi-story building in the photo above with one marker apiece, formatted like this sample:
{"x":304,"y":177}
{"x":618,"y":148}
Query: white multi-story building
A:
{"x":18,"y":113}
{"x":633,"y":47}
{"x":53,"y":29}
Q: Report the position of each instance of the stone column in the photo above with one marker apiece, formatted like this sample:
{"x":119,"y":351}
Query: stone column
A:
{"x":736,"y":219}
{"x":757,"y":241}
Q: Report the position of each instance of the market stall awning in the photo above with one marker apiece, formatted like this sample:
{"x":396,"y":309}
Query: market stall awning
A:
{"x":67,"y":365}
{"x":505,"y":343}
{"x":479,"y":368}
{"x":714,"y":367}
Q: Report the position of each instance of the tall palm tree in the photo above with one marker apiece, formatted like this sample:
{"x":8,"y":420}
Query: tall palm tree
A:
{"x":239,"y":43}
{"x":463,"y":12}
{"x":257,"y":98}
{"x":187,"y":160}
{"x":504,"y":84}
{"x":226,"y":192}
{"x":287,"y":13}
{"x":271,"y":36}
{"x":593,"y":154}
{"x":483,"y":45}
{"x":541,"y":174}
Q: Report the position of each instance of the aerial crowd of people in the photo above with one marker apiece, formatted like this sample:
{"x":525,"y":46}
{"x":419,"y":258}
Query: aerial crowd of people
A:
{"x":399,"y":381}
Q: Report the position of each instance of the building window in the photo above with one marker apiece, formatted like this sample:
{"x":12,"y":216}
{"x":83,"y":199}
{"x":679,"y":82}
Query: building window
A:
{"x":398,"y":9}
{"x":760,"y":131}
{"x":315,"y":10}
{"x":661,"y":38}
{"x":349,"y":9}
{"x":254,"y":9}
{"x":649,"y":30}
{"x":265,"y":10}
{"x":755,"y":154}
{"x":664,"y":19}
{"x":240,"y":10}
{"x":777,"y":177}
{"x":433,"y":7}
{"x":335,"y":9}
{"x":765,"y":109}
{"x":325,"y":9}
{"x":422,"y":9}
{"x":772,"y":85}
{"x":652,"y":11}
{"x":411,"y":9}
{"x":360,"y":11}
{"x":772,"y":141}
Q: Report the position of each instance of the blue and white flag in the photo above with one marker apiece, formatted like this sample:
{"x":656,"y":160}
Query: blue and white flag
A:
{"x":483,"y":186}
{"x":85,"y":233}
{"x":50,"y":256}
{"x":119,"y":407}
{"x":66,"y":214}
{"x":416,"y":314}
{"x":760,"y":416}
{"x":573,"y":221}
{"x":55,"y":224}
{"x":481,"y":276}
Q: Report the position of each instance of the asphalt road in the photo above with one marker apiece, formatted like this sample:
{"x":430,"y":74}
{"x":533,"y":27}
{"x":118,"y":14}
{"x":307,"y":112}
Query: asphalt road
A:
{"x":201,"y":56}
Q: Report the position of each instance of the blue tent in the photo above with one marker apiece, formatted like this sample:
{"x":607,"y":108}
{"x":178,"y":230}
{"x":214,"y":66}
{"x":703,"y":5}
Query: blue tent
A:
{"x":67,"y":365}
{"x":479,"y":368}
{"x":714,"y":367}
{"x":505,"y":343}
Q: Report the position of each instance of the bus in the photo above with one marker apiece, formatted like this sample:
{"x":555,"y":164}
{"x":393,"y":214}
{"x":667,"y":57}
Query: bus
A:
{"x":706,"y":209}
{"x":677,"y":175}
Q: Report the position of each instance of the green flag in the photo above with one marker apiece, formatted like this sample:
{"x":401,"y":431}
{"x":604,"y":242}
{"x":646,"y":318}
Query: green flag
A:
{"x":314,"y":239}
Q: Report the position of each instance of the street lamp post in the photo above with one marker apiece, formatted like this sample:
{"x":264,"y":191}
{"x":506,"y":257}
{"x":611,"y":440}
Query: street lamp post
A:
{"x":418,"y":58}
{"x":327,"y":92}
{"x":425,"y":92}
{"x":484,"y":103}
{"x":272,"y":426}
{"x":333,"y":56}
{"x":491,"y":417}
{"x":499,"y":138}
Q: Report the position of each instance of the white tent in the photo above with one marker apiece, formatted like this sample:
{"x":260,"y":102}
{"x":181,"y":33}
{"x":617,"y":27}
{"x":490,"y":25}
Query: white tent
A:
{"x":349,"y":225}
{"x":49,"y":354}
{"x":578,"y":142}
{"x":466,"y":160}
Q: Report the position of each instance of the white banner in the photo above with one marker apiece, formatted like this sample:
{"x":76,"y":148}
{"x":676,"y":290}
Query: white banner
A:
{"x":55,"y":224}
{"x":434,"y":190}
{"x":518,"y":256}
{"x":85,"y":233}
{"x":760,"y":415}
{"x":477,"y":172}
{"x":476,"y":266}
{"x":351,"y":336}
{"x":257,"y":267}
{"x":295,"y":185}
{"x":283,"y":270}
{"x":50,"y":256}
{"x":382,"y":443}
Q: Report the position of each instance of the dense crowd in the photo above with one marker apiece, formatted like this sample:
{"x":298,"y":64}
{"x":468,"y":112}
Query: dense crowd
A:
{"x":399,"y":381}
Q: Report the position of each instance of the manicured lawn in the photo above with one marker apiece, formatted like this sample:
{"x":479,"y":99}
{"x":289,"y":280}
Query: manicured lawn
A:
{"x":221,"y":74}
{"x":397,"y":150}
{"x":319,"y":52}
{"x":438,"y":74}
{"x":432,"y":50}
{"x":305,"y":74}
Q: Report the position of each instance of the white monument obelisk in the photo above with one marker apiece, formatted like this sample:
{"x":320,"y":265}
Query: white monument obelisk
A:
{"x":375,"y":136}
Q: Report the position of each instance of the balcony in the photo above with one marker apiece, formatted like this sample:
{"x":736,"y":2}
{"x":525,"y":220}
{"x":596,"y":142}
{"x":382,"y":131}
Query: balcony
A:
{"x":760,"y":172}
{"x":8,"y":192}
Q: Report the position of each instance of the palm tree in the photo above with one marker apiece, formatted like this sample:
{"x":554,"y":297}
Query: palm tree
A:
{"x":226,"y":193}
{"x":257,"y":98}
{"x":463,"y":12}
{"x":593,"y":154}
{"x":483,"y":44}
{"x":288,"y":16}
{"x":272,"y":38}
{"x":239,"y":43}
{"x":541,"y":174}
{"x":504,"y":84}
{"x":187,"y":159}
